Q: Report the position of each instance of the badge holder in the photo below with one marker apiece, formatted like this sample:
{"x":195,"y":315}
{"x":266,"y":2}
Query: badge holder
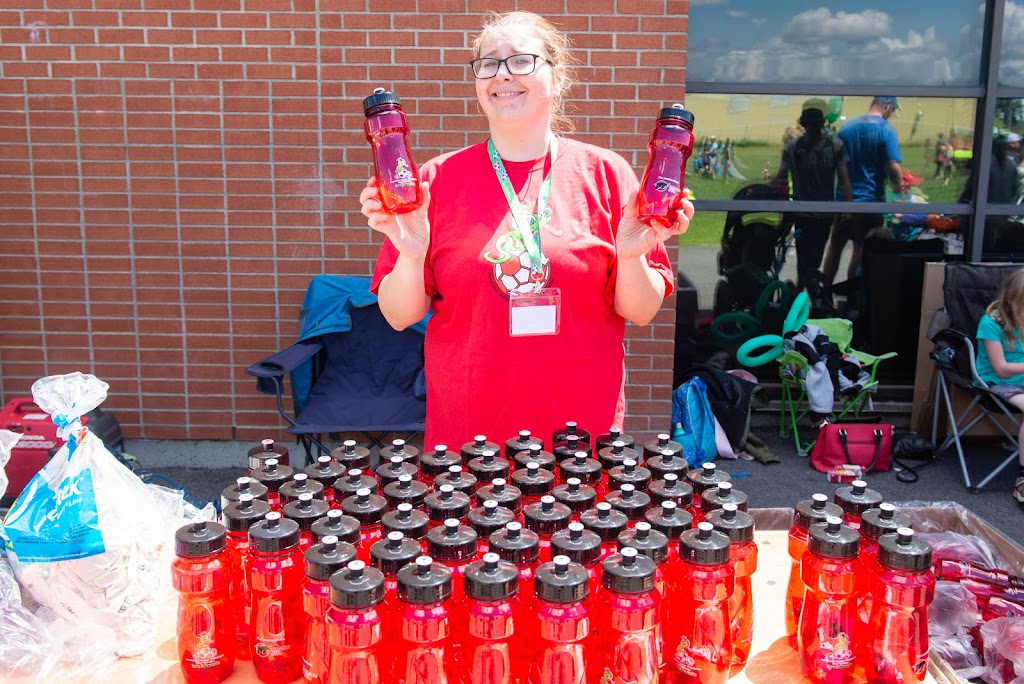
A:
{"x":535,"y":313}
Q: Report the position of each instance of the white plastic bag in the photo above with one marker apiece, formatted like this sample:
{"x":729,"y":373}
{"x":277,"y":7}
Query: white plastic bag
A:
{"x":86,"y":536}
{"x":7,"y":441}
{"x":26,"y":648}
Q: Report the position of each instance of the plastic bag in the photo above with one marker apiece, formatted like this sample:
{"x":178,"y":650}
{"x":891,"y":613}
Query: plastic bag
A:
{"x":958,"y":651}
{"x":7,"y":441}
{"x":1004,"y":650}
{"x":86,"y":537}
{"x":961,"y":547}
{"x":26,"y":648}
{"x":954,"y":610}
{"x":693,"y":423}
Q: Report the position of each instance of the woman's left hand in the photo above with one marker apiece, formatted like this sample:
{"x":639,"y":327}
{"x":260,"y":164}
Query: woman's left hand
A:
{"x":634,"y":239}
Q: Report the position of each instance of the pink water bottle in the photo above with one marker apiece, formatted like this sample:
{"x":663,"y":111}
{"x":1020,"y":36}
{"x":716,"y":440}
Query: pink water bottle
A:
{"x":495,"y":649}
{"x":322,"y":561}
{"x":562,"y":635}
{"x":423,"y":653}
{"x":629,"y":615}
{"x":661,"y":189}
{"x":387,"y":130}
{"x":358,"y":650}
{"x":739,"y":527}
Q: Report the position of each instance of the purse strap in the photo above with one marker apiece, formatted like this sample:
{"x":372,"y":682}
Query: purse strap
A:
{"x":878,"y":448}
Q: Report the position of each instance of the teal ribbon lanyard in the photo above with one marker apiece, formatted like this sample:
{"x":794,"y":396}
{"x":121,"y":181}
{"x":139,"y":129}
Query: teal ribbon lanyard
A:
{"x":526,"y":223}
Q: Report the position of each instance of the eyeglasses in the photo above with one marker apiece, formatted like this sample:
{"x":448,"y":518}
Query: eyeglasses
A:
{"x":517,"y":65}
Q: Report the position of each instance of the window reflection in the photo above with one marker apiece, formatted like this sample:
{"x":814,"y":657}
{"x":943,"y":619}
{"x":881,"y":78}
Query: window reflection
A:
{"x":1011,"y":60}
{"x":916,"y":42}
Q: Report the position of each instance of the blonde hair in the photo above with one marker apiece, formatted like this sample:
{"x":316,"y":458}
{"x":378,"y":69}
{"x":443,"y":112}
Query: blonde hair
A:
{"x":1008,"y":309}
{"x":556,"y":44}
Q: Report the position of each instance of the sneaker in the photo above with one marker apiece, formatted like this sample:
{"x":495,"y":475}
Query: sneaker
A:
{"x":1018,"y":491}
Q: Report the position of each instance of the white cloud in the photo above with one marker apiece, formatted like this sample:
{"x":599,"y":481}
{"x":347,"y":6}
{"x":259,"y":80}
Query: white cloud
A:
{"x":820,"y":24}
{"x":735,"y":14}
{"x":706,"y":3}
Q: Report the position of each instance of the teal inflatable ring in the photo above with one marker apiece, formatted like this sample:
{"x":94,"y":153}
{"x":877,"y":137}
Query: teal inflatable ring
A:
{"x":745,"y":324}
{"x":771,"y":346}
{"x":766,"y":296}
{"x":798,"y":314}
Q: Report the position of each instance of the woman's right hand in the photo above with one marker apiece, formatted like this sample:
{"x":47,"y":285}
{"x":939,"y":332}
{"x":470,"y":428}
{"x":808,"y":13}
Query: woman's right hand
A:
{"x":409,"y":232}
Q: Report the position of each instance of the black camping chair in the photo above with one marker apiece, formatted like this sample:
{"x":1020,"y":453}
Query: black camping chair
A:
{"x":350,"y":371}
{"x":967,"y":292}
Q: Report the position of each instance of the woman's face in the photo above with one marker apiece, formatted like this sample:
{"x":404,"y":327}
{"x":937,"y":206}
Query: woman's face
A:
{"x":505,"y":98}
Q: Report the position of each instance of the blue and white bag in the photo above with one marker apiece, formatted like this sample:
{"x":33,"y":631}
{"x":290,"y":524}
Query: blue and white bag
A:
{"x":693,"y":423}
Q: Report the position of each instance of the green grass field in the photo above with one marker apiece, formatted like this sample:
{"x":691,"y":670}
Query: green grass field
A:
{"x":706,"y":227}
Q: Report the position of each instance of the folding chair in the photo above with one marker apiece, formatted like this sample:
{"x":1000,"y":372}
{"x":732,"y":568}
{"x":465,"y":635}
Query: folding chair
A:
{"x":350,"y":371}
{"x":967,"y":291}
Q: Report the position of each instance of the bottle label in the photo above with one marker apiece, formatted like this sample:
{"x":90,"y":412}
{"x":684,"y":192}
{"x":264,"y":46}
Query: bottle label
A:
{"x":666,"y":186}
{"x":204,"y":654}
{"x":402,"y":176}
{"x":832,"y":654}
{"x":687,"y":655}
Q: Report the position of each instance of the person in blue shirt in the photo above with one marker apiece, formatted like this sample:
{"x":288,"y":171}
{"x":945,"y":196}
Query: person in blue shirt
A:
{"x":873,"y":153}
{"x":1000,"y":360}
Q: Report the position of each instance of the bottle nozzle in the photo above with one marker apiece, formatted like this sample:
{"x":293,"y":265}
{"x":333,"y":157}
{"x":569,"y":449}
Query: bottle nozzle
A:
{"x":329,"y":545}
{"x":513,"y":530}
{"x":488,"y":457}
{"x":404,"y":511}
{"x":398,"y":446}
{"x":479,"y":441}
{"x":576,"y":531}
{"x":819,"y":502}
{"x":356,"y":569}
{"x":350,"y":446}
{"x":423,"y":565}
{"x":704,"y":530}
{"x":491,"y":562}
{"x":561,"y":565}
{"x":833,"y":524}
{"x":394,"y":540}
{"x":643,"y":530}
{"x":524,"y":436}
{"x":628,"y":556}
{"x":574,"y":484}
{"x":268,"y":446}
{"x":618,"y":446}
{"x":886,"y":511}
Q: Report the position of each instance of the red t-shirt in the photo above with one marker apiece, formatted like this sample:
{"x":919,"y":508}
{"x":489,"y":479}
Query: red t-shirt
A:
{"x":480,"y":379}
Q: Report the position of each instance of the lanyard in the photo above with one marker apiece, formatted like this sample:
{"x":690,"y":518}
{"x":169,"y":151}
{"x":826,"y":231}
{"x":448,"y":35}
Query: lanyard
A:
{"x":526,"y":223}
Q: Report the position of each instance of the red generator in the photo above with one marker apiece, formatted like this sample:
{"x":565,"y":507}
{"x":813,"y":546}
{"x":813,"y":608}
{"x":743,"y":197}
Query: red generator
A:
{"x":38,"y":443}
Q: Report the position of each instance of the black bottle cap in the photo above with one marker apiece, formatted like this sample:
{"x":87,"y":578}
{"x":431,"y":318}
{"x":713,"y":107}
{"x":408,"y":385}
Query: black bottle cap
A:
{"x":630,"y":501}
{"x":534,"y":480}
{"x":477,"y":447}
{"x":814,"y":510}
{"x":365,"y":507}
{"x":452,"y":541}
{"x":326,"y":471}
{"x":357,"y":586}
{"x":706,"y":477}
{"x":605,"y":521}
{"x":489,"y":467}
{"x":614,"y":434}
{"x":350,"y":455}
{"x":409,"y":521}
{"x":489,"y":518}
{"x":856,"y":498}
{"x":300,"y":484}
{"x":394,"y":552}
{"x":379,"y":97}
{"x":647,"y":541}
{"x":515,"y":545}
{"x":405,"y":490}
{"x":336,"y":523}
{"x":447,"y":503}
{"x":491,"y":579}
{"x":534,"y":454}
{"x":676,"y":111}
{"x":667,"y":462}
{"x":407,"y":452}
{"x":671,"y":488}
{"x":423,"y":582}
{"x":272,"y":475}
{"x":658,"y":446}
{"x":617,"y":454}
{"x":704,"y":546}
{"x":878,"y":521}
{"x":240,"y":515}
{"x":628,"y":572}
{"x":736,"y":524}
{"x":354,"y":480}
{"x":200,"y":538}
{"x":394,"y":468}
{"x":587,"y":470}
{"x":577,"y":496}
{"x":833,"y":539}
{"x":630,"y":472}
{"x":328,"y":556}
{"x":547,"y":516}
{"x":669,"y":519}
{"x":561,"y":581}
{"x":306,"y":510}
{"x":273,"y":534}
{"x":458,"y":478}
{"x":581,"y":545}
{"x":522,"y":442}
{"x":901,"y":550}
{"x":715,"y":497}
{"x":505,"y":494}
{"x":433,"y":464}
{"x":243,"y":485}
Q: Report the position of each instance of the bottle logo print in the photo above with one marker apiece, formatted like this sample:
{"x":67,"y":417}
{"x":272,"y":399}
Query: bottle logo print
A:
{"x":205,"y":656}
{"x":402,"y":175}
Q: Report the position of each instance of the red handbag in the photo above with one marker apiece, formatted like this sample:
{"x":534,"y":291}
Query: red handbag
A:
{"x":868,"y":445}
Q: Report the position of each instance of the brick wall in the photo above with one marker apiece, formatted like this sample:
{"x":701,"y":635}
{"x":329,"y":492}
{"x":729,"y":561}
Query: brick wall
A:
{"x":172,"y":172}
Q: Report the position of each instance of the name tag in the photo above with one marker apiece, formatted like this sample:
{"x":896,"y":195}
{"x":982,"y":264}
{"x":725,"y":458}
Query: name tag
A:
{"x":536,"y":313}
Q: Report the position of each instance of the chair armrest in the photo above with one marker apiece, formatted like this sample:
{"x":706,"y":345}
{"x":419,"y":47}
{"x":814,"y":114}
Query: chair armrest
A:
{"x":270,"y":370}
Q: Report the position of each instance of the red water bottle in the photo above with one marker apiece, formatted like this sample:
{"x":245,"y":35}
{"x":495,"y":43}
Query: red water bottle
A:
{"x":657,"y":447}
{"x":611,"y":457}
{"x":828,"y":617}
{"x":577,"y":496}
{"x":587,"y":470}
{"x":671,"y":488}
{"x":358,"y":651}
{"x":901,"y":593}
{"x":571,"y":429}
{"x":459,"y":479}
{"x":495,"y":649}
{"x":258,"y":456}
{"x":407,"y":452}
{"x":583,"y":547}
{"x":630,"y":502}
{"x":504,"y":494}
{"x":534,"y":453}
{"x":406,"y":490}
{"x":352,"y":456}
{"x":739,"y":527}
{"x":521,"y":548}
{"x":607,"y":523}
{"x":533,"y":482}
{"x":272,"y":475}
{"x":561,"y":649}
{"x":629,"y":615}
{"x":300,"y":484}
{"x":630,"y":472}
{"x":957,"y":570}
{"x":390,"y":555}
{"x":410,"y":522}
{"x":667,"y":462}
{"x":305,"y":511}
{"x":569,"y":447}
{"x":432,"y":465}
{"x":545,"y":518}
{"x":387,"y":131}
{"x":423,"y":649}
{"x":275,"y":574}
{"x":488,"y":519}
{"x":326,"y":471}
{"x":661,"y":189}
{"x":238,"y":518}
{"x":243,"y":485}
{"x":337,"y":524}
{"x":478,"y":447}
{"x":698,"y":638}
{"x":701,"y":480}
{"x":368,"y":509}
{"x":653,"y":544}
{"x":354,"y":480}
{"x":395,"y":467}
{"x":446,"y":503}
{"x":514,"y":445}
{"x":321,"y":560}
{"x":206,"y":626}
{"x":874,"y":522}
{"x":613,"y":435}
{"x":807,"y":512}
{"x":489,"y":466}
{"x":854,"y":499}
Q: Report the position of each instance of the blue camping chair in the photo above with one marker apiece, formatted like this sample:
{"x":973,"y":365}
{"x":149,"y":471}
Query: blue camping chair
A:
{"x":350,"y":371}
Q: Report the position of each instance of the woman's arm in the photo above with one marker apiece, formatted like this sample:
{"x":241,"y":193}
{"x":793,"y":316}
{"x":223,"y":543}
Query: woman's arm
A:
{"x":1002,"y":367}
